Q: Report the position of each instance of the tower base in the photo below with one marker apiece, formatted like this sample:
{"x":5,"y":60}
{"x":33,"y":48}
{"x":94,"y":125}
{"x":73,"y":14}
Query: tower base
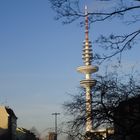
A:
{"x":89,"y":136}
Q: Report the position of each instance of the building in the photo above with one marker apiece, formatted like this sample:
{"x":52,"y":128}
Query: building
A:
{"x":127,"y":120}
{"x":8,"y":123}
{"x":51,"y":136}
{"x":24,"y":134}
{"x":103,"y":134}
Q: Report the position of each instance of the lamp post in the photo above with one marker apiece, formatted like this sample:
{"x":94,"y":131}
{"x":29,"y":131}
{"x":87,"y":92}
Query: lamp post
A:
{"x":56,"y":114}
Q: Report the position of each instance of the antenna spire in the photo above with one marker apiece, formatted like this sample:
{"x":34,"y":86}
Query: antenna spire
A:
{"x":87,"y":51}
{"x":86,"y":22}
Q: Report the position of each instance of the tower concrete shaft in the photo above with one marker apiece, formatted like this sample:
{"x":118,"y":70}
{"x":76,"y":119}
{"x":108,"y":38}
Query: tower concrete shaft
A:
{"x":88,"y":83}
{"x":89,"y":120}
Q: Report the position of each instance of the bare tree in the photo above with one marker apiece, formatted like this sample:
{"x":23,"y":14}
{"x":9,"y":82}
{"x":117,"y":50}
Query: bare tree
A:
{"x":109,"y":92}
{"x":127,"y":11}
{"x":35,"y":131}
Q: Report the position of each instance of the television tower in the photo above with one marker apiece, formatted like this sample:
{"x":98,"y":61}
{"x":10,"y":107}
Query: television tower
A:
{"x":88,"y":83}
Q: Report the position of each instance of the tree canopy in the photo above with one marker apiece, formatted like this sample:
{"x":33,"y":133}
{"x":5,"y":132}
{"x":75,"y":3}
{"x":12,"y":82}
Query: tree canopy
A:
{"x":109,"y":92}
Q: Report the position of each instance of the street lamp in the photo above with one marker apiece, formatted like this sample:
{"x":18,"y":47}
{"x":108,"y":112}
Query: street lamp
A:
{"x":56,"y":114}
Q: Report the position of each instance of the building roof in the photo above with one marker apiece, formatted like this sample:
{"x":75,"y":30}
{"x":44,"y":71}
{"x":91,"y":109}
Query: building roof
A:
{"x":9,"y":111}
{"x":128,"y":106}
{"x":131,"y":101}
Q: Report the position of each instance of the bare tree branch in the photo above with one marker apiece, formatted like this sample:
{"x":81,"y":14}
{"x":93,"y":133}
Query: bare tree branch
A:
{"x":116,"y":44}
{"x":70,"y":11}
